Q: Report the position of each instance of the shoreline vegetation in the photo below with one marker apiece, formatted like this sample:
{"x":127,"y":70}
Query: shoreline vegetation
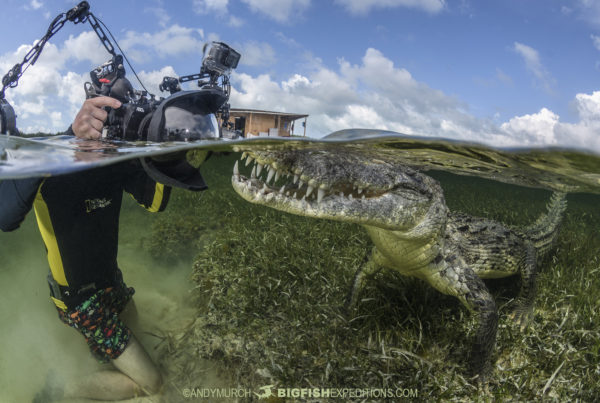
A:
{"x":268,"y":289}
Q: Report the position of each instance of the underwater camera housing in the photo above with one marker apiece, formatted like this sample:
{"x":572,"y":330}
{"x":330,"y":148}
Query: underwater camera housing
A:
{"x":183,"y":116}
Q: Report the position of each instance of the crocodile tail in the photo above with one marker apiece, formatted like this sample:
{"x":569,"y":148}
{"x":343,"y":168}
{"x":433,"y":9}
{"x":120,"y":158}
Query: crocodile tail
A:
{"x":544,"y":231}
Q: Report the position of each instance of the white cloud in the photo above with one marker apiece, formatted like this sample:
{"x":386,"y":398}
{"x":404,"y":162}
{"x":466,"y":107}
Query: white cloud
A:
{"x":534,"y":64}
{"x":218,"y":8}
{"x":589,"y":11}
{"x":160,"y":13}
{"x":596,"y":41}
{"x":71,"y":89}
{"x":503,"y":77}
{"x":210,"y":6}
{"x":545,"y":127}
{"x":235,"y":22}
{"x":35,"y":4}
{"x":363,"y":7}
{"x":28,"y":108}
{"x":373,"y":94}
{"x":152,"y":79}
{"x":256,"y":54}
{"x":588,"y":106}
{"x":279,"y":10}
{"x":377,"y":94}
{"x":85,"y":47}
{"x":536,"y":128}
{"x":171,"y":41}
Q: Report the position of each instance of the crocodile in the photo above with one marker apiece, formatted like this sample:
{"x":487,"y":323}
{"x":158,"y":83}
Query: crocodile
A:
{"x":404,"y":212}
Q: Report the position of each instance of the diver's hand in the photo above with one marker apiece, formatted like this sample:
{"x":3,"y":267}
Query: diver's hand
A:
{"x":90,"y":119}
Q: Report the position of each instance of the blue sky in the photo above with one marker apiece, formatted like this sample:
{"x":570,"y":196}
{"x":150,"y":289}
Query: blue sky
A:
{"x":506,"y":72}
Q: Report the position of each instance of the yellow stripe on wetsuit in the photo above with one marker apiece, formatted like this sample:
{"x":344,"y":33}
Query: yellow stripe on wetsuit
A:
{"x":158,"y":198}
{"x":47,"y":230}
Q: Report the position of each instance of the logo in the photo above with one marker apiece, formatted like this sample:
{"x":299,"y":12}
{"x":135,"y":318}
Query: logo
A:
{"x":265,"y":392}
{"x":95,"y":204}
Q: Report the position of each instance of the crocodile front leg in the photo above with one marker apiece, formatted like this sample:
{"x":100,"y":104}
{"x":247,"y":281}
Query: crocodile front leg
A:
{"x":365,"y":270}
{"x":451,"y":276}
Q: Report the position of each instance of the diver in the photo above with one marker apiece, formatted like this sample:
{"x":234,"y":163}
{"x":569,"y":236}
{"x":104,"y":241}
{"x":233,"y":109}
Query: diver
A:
{"x":78,"y":218}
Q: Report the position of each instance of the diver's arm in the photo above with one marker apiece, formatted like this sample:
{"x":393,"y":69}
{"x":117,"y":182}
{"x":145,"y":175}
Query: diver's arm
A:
{"x":177,"y":172}
{"x":150,"y":194}
{"x":150,"y":180}
{"x":16,"y":199}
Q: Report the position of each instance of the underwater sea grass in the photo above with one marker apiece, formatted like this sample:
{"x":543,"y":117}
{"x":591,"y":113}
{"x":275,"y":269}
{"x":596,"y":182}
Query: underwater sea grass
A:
{"x":269,"y":290}
{"x":192,"y":217}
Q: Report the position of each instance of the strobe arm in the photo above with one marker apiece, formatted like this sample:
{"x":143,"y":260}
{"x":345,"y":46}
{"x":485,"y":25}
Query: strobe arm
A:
{"x":77,"y":14}
{"x":171,"y":84}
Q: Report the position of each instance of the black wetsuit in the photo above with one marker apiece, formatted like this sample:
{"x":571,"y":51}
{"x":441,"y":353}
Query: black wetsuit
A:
{"x":78,"y":217}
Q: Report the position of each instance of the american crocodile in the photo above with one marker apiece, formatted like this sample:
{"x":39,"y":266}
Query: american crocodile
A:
{"x":414,"y":233}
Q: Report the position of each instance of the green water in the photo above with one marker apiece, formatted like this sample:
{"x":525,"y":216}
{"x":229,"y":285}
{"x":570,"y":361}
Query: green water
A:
{"x":257,"y":292}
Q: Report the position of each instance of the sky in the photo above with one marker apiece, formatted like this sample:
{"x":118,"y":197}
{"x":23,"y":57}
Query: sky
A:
{"x":499,"y":72}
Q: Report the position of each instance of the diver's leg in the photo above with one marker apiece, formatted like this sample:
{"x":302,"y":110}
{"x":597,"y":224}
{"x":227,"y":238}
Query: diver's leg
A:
{"x":110,"y":340}
{"x":136,"y":376}
{"x":130,"y":316}
{"x":455,"y":278}
{"x":523,"y":308}
{"x":368,"y":268}
{"x":137,"y":365}
{"x":102,"y":385}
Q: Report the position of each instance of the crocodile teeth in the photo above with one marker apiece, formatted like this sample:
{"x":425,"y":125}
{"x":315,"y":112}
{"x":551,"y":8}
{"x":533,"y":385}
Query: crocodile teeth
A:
{"x":282,"y":189}
{"x":253,"y":174}
{"x":249,"y":160}
{"x":300,"y":183}
{"x":296,"y":177}
{"x":360,"y":190}
{"x":277,"y":175}
{"x":320,"y":194}
{"x":236,"y":171}
{"x":309,"y":190}
{"x":244,"y":155}
{"x":271,"y":175}
{"x":259,"y":168}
